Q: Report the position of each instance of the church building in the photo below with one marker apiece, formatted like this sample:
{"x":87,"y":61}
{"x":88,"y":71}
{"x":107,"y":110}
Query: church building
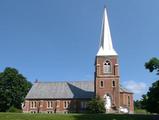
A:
{"x":65,"y":97}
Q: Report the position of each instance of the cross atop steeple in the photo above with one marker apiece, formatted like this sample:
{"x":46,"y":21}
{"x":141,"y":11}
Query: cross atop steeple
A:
{"x":106,"y":46}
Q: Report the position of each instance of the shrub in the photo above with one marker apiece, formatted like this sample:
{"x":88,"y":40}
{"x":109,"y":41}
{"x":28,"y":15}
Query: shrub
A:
{"x":96,"y":105}
{"x":13,"y":109}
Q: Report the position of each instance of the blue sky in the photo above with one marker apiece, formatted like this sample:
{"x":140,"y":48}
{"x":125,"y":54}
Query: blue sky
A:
{"x":57,"y":40}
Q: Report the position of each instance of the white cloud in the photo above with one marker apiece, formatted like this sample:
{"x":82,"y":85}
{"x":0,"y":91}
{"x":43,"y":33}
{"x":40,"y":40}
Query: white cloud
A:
{"x":138,"y":88}
{"x":135,"y":87}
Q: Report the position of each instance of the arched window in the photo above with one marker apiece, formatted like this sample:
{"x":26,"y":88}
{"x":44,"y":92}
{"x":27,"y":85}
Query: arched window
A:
{"x":113,"y":83}
{"x":107,"y":67}
{"x":49,"y":104}
{"x":66,"y":104}
{"x":101,"y":83}
{"x":128,"y":100}
{"x":33,"y":104}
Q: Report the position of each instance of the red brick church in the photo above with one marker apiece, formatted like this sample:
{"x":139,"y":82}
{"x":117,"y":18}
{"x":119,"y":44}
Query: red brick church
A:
{"x":65,"y":97}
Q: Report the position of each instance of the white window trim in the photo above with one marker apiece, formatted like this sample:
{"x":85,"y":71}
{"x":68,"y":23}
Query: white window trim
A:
{"x":100,"y":83}
{"x":104,"y":66}
{"x":33,"y":104}
{"x":83,"y":104}
{"x":114,"y":83}
{"x":128,"y":100}
{"x":65,"y":104}
{"x":49,"y":104}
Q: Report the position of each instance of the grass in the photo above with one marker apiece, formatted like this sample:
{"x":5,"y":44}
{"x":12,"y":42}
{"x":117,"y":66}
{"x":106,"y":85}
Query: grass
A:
{"x":141,"y":111}
{"x":21,"y":116}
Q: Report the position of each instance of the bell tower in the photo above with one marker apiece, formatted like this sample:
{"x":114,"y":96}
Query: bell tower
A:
{"x":107,"y":69}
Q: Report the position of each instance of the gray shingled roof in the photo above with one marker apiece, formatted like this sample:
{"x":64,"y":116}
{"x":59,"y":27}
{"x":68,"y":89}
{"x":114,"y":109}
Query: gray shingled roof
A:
{"x":122,"y":89}
{"x":64,"y":90}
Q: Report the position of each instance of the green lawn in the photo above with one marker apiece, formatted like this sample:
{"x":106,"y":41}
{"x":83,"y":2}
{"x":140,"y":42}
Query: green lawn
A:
{"x":141,"y":111}
{"x":21,"y":116}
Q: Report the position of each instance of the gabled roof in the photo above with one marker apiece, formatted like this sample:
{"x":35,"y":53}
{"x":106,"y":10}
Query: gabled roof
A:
{"x":62,"y":90}
{"x":122,"y":89}
{"x":106,"y":46}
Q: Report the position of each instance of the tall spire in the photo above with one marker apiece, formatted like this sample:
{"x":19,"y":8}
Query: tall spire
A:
{"x":106,"y":46}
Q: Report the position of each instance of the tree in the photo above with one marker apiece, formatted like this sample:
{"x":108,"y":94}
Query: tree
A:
{"x":143,"y":101}
{"x":153,"y":64}
{"x":96,"y":105}
{"x":137,"y":104}
{"x":150,"y":101}
{"x":13,"y":89}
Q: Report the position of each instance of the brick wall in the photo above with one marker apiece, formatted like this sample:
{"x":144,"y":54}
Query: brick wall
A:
{"x":126,"y":100}
{"x":107,"y":79}
{"x":56,"y":106}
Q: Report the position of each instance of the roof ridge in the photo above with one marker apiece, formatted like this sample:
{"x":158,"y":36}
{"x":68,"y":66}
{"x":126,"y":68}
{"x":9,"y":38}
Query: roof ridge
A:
{"x":125,"y":89}
{"x":63,"y":81}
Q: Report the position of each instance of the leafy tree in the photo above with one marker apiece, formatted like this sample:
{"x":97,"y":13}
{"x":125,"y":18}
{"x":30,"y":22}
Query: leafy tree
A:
{"x":153,"y":64}
{"x":137,"y":104}
{"x":150,"y":101}
{"x":144,"y":101}
{"x":96,"y":105}
{"x":13,"y":89}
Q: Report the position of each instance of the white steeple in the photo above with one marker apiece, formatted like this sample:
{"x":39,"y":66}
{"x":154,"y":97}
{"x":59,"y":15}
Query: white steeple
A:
{"x":106,"y":46}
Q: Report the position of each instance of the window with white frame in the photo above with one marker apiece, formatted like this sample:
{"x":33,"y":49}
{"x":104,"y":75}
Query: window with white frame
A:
{"x":128,"y":100}
{"x":33,"y":104}
{"x":49,"y":104}
{"x":113,"y":83}
{"x":83,"y":104}
{"x":101,"y":84}
{"x":107,"y":66}
{"x":66,"y":104}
